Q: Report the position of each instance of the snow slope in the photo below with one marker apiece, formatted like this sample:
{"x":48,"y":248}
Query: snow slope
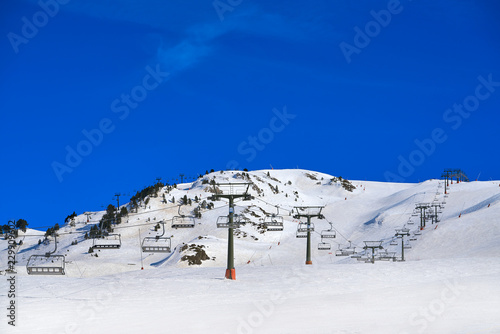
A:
{"x":447,"y":285}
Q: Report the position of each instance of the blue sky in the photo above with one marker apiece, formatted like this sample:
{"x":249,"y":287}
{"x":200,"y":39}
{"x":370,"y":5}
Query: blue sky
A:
{"x":146,"y":89}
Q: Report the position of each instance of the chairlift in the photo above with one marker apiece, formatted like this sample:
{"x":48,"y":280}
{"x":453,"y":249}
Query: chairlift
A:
{"x":158,"y":243}
{"x":274,"y":222}
{"x":324,"y":246}
{"x":182,"y":221}
{"x":223,"y":222}
{"x":407,"y":245}
{"x":394,"y":242}
{"x":345,"y":251}
{"x":386,"y":256}
{"x":304,"y":227}
{"x":330,"y":233}
{"x":107,"y":241}
{"x":47,"y":264}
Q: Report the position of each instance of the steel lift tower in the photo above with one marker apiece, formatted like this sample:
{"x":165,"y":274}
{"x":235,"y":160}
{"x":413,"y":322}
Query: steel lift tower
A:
{"x":230,"y":191}
{"x":401,"y":233}
{"x":308,"y":212}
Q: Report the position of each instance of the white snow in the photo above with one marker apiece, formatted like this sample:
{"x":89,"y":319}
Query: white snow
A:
{"x":449,"y":283}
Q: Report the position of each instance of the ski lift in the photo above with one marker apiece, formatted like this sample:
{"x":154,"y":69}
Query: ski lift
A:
{"x":274,"y":222}
{"x":330,"y":233}
{"x":407,"y":245}
{"x":157,"y":244}
{"x":107,"y":241}
{"x":345,"y":251}
{"x":223,"y":222}
{"x":182,"y":221}
{"x":324,"y":246}
{"x":300,"y":234}
{"x":304,"y":227}
{"x":387,"y":256}
{"x":394,"y":242}
{"x":47,"y":264}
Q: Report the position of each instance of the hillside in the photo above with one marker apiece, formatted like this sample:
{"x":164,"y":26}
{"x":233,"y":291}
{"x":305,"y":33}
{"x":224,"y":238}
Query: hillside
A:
{"x":465,"y":242}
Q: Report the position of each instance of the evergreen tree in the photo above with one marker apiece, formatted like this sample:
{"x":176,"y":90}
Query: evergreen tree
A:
{"x":22,"y":224}
{"x":123,"y":212}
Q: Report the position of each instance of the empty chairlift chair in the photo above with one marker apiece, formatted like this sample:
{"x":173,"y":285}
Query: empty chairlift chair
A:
{"x":324,"y":245}
{"x":274,"y":222}
{"x":328,"y":234}
{"x":47,"y":264}
{"x":223,"y":222}
{"x":157,"y":244}
{"x":348,"y":251}
{"x":182,"y":221}
{"x":303,"y":228}
{"x":107,"y":241}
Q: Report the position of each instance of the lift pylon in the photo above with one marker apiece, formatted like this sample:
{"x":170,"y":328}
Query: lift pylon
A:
{"x":307,"y":212}
{"x":373,"y":245}
{"x":401,"y":233}
{"x":230,"y":191}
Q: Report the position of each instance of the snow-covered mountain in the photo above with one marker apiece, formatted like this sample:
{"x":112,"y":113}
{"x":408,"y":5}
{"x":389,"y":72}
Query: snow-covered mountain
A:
{"x":341,"y":294}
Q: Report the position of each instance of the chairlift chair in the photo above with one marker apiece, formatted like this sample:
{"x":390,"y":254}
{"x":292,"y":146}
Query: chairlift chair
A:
{"x":407,"y":245}
{"x":223,"y":222}
{"x":274,"y":222}
{"x":47,"y":264}
{"x":300,"y":234}
{"x":157,"y":244}
{"x":109,"y":241}
{"x":302,"y":230}
{"x":324,"y":246}
{"x":345,"y":251}
{"x":330,"y":233}
{"x":304,"y":227}
{"x":182,"y":221}
{"x":387,"y":256}
{"x":394,"y":242}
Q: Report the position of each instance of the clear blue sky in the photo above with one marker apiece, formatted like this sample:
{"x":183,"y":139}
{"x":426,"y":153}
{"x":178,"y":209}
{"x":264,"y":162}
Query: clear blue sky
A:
{"x":342,"y":87}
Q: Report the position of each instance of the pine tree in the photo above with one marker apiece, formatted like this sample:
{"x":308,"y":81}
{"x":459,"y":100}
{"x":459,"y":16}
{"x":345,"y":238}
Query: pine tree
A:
{"x":22,"y":224}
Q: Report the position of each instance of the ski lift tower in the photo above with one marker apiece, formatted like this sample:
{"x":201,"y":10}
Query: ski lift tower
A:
{"x":446,"y":175}
{"x":423,"y":208}
{"x":437,"y":209}
{"x":373,"y":245}
{"x":308,"y":212}
{"x":230,"y":191}
{"x":401,"y":233}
